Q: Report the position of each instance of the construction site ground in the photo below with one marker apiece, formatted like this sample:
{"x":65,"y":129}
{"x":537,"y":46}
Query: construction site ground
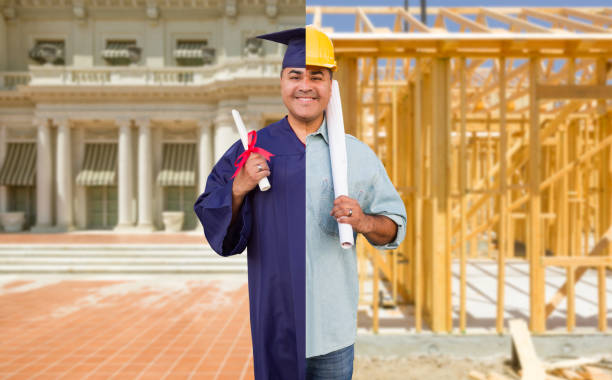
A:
{"x":197,"y":326}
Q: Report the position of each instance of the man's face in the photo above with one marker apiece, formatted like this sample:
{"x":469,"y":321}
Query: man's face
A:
{"x":306,"y":92}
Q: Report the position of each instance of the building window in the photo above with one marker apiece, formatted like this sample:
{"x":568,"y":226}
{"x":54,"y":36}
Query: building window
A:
{"x":18,"y":174}
{"x":48,"y":52}
{"x":178,"y":180}
{"x":193,"y":53}
{"x":121,"y":52}
{"x":23,"y":198}
{"x":101,"y":207}
{"x":181,"y":198}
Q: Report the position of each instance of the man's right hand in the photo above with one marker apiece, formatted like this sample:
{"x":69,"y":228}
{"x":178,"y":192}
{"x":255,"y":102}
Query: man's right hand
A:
{"x":250,"y":174}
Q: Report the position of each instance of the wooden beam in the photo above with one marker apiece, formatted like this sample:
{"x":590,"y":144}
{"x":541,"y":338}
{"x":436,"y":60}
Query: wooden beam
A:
{"x":516,"y":22}
{"x":593,"y":17}
{"x":503,"y":200}
{"x":365,"y":20}
{"x":570,"y":23}
{"x":578,"y":261}
{"x":438,"y":202}
{"x":463,"y":194}
{"x":416,"y":24}
{"x":598,"y":249}
{"x":574,"y":91}
{"x":523,"y":351}
{"x":316,"y":21}
{"x":534,"y":235}
{"x":418,"y":275}
{"x":464,"y":21}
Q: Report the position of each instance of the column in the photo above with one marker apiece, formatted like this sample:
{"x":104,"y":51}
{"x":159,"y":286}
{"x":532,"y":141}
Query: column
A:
{"x":124,"y":167}
{"x":3,"y":45}
{"x":225,"y":134}
{"x":44,"y":184}
{"x":145,"y":176}
{"x":79,"y":192}
{"x":63,"y":178}
{"x":3,"y":148}
{"x":205,"y":153}
{"x":437,"y":206}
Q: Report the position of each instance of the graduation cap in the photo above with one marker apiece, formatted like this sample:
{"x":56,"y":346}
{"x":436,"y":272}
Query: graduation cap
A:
{"x":295,"y":39}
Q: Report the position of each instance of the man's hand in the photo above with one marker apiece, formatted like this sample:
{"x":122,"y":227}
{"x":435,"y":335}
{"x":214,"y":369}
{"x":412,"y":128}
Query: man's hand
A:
{"x":347,"y":210}
{"x":249,"y":176}
{"x":378,"y":229}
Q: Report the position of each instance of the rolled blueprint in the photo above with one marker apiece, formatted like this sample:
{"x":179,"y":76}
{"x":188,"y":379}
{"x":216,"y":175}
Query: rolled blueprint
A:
{"x":264,"y":184}
{"x":337,"y":153}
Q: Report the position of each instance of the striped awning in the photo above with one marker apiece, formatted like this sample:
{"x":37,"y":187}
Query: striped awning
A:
{"x":190,"y":49}
{"x":47,"y":51}
{"x":99,"y":166}
{"x":118,"y":49}
{"x":19,"y":167}
{"x":178,"y":165}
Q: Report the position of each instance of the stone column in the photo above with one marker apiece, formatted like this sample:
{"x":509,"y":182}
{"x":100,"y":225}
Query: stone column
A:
{"x":63,"y":178}
{"x":124,"y":166}
{"x":145,"y":176}
{"x":205,"y":154}
{"x":3,"y":44}
{"x":225,"y":134}
{"x":3,"y":148}
{"x":44,"y":184}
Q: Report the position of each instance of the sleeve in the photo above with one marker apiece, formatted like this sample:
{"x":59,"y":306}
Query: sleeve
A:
{"x":386,"y":201}
{"x":214,"y":208}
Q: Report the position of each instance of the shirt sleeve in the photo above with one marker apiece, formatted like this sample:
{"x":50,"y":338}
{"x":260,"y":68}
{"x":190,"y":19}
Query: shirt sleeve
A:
{"x":386,"y":201}
{"x":214,"y":208}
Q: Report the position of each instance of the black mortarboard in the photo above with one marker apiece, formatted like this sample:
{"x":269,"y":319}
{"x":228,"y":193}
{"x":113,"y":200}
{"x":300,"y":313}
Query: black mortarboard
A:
{"x":295,"y":39}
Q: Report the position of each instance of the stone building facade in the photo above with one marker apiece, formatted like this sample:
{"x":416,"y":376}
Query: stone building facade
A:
{"x":113,"y":112}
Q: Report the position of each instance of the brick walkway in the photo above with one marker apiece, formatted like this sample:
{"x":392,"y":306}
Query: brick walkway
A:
{"x":155,"y":328}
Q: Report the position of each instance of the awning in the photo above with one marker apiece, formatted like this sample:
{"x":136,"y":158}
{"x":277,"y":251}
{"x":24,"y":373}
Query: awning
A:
{"x":118,"y":50}
{"x":48,"y":51}
{"x":178,"y":165}
{"x":19,"y":167}
{"x":190,"y":50}
{"x":99,"y":166}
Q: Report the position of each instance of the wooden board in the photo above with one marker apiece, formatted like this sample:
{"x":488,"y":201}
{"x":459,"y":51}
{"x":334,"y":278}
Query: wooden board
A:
{"x":523,"y":351}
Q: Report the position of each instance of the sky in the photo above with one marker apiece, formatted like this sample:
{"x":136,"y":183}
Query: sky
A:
{"x":346,"y":23}
{"x":469,"y":3}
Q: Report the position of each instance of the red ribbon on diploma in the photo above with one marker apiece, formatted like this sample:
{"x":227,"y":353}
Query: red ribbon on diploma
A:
{"x":242,"y":159}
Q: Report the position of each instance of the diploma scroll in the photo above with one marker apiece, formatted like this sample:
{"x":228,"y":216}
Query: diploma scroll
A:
{"x":264,"y":184}
{"x":337,"y":152}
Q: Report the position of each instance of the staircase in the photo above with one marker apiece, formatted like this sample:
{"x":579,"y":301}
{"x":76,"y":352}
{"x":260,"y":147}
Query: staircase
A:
{"x":116,"y":259}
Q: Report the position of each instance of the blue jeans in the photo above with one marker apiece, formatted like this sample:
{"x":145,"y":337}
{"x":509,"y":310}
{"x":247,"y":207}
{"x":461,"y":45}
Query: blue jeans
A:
{"x":336,"y":365}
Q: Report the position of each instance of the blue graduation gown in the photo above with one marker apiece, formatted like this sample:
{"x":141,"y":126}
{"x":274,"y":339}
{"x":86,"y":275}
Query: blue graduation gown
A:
{"x":272,"y":225}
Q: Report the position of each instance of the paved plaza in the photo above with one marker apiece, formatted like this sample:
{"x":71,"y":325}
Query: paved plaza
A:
{"x":140,"y":328}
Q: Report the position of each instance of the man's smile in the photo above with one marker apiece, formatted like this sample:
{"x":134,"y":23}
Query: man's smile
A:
{"x":306,"y":99}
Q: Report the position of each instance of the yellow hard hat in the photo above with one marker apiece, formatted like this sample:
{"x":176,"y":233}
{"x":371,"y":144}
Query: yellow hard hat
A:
{"x":319,"y":49}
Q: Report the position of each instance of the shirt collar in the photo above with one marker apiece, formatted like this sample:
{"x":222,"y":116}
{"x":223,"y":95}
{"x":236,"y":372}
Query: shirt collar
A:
{"x":322,"y":130}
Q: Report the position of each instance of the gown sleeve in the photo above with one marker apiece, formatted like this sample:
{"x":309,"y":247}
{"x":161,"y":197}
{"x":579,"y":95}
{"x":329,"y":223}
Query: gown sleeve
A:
{"x":214,"y":208}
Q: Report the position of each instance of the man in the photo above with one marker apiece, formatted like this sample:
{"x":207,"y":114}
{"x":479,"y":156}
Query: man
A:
{"x":235,"y":214}
{"x":373,"y":208}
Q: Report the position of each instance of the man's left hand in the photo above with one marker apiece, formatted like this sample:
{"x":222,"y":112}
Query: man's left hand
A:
{"x":347,"y":210}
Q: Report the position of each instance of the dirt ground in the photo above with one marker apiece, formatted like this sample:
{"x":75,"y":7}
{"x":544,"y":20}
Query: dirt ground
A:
{"x":422,"y":367}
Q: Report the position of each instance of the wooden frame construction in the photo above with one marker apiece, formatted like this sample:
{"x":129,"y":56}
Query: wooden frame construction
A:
{"x":495,"y":126}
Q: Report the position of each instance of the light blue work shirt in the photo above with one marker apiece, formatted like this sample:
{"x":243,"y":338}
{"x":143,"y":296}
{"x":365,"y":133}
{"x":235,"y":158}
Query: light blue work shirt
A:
{"x":332,"y":285}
